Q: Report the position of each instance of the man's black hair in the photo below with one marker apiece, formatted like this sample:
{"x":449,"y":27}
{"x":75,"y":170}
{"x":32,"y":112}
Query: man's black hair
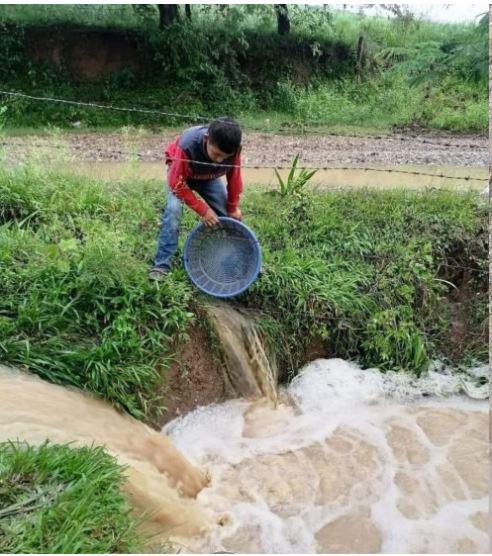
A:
{"x":225,"y":134}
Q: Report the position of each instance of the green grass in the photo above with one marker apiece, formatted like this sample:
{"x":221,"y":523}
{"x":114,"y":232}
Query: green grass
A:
{"x":63,"y":500}
{"x":342,"y":107}
{"x":98,"y":15}
{"x":383,"y":102}
{"x":77,"y":307}
{"x":230,"y":60}
{"x":363,"y":270}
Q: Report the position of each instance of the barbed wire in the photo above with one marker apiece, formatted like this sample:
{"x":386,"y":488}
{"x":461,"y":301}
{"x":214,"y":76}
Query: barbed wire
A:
{"x":342,"y":189}
{"x":104,"y":106}
{"x":302,"y":128}
{"x":253,"y":166}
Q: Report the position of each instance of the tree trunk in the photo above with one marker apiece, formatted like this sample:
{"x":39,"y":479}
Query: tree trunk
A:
{"x":283,"y":22}
{"x":168,"y":14}
{"x":188,"y":11}
{"x":360,"y":56}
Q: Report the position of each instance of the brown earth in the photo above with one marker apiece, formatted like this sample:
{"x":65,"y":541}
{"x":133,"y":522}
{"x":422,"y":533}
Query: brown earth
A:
{"x":194,"y":379}
{"x":264,"y":149}
{"x":86,"y":53}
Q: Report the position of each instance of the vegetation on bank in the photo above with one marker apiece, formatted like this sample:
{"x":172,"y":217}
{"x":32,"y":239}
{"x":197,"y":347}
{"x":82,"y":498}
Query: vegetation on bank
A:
{"x":334,"y":68}
{"x":367,"y":272}
{"x":375,"y":276}
{"x":63,"y":500}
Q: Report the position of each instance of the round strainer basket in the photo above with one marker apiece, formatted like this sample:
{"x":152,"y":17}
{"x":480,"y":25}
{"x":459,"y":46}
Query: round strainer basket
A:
{"x":222,"y":261}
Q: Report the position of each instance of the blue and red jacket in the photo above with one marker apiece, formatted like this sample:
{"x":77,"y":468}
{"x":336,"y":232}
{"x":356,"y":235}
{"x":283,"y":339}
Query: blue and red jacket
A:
{"x":184,"y":157}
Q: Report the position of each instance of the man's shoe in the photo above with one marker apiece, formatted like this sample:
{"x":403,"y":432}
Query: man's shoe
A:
{"x":157,"y":273}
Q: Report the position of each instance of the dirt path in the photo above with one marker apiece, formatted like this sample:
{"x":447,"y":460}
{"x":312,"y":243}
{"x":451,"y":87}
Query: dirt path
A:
{"x":264,"y":149}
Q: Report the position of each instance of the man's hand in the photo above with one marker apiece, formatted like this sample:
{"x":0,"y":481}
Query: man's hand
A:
{"x":210,"y":219}
{"x":236,"y":214}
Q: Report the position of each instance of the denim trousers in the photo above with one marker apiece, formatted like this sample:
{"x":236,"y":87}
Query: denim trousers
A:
{"x":213,"y":192}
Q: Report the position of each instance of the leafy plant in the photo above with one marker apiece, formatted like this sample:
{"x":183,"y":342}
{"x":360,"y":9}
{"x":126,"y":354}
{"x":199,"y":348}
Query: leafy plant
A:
{"x":77,"y":307}
{"x":413,"y":71}
{"x":294,"y":183}
{"x":3,"y":112}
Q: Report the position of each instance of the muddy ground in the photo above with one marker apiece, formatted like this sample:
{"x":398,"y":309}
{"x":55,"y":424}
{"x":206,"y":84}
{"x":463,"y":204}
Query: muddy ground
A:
{"x":266,"y":149}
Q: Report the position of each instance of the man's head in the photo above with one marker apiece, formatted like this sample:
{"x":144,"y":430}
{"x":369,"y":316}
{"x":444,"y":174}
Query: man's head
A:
{"x":223,"y":139}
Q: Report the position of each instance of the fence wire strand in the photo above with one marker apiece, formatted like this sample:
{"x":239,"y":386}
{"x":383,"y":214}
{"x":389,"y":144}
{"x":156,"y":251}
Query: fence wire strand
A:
{"x":254,"y":166}
{"x":302,"y":128}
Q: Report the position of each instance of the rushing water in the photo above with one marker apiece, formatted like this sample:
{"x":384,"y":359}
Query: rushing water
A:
{"x":160,"y":480}
{"x":351,"y":461}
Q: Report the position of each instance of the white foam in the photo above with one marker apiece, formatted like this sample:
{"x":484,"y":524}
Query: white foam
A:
{"x":328,"y":395}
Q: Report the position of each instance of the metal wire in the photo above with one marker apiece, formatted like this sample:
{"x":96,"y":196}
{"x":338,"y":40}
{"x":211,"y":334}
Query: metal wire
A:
{"x":104,"y":106}
{"x":254,"y":166}
{"x":304,"y":128}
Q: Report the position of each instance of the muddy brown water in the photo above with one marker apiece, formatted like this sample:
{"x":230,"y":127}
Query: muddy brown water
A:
{"x":160,"y":479}
{"x":351,"y":461}
{"x":323,"y":179}
{"x":307,"y":477}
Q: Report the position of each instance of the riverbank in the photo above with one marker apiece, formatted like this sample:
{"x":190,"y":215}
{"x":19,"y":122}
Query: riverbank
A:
{"x":391,"y":278}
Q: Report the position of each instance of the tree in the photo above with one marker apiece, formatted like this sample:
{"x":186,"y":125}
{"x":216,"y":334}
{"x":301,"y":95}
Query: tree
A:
{"x":283,"y":22}
{"x":168,"y":14}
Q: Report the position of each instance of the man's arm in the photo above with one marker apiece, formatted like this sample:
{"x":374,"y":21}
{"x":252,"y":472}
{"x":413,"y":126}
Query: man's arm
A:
{"x":234,"y":187}
{"x":178,"y":174}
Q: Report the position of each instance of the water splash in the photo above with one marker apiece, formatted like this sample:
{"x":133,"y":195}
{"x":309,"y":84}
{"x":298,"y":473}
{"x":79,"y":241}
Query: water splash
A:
{"x":351,"y":461}
{"x":248,"y":371}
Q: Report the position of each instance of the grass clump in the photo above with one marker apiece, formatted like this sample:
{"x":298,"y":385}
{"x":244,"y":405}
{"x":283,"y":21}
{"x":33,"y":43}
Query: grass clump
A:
{"x":367,"y":273}
{"x":63,"y":500}
{"x":77,"y":307}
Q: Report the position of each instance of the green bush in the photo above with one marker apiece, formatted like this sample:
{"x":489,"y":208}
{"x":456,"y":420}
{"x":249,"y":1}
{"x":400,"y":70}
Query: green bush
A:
{"x":230,"y":59}
{"x":77,"y":307}
{"x":368,"y":274}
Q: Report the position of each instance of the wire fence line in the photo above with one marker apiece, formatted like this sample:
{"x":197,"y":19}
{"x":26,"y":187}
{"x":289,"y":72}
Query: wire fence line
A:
{"x":104,"y":106}
{"x":302,"y":128}
{"x":255,"y":166}
{"x":348,"y":188}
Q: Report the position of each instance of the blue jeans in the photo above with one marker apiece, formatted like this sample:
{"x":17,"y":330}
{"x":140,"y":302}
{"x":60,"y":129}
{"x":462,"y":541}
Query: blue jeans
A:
{"x":213,"y":192}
